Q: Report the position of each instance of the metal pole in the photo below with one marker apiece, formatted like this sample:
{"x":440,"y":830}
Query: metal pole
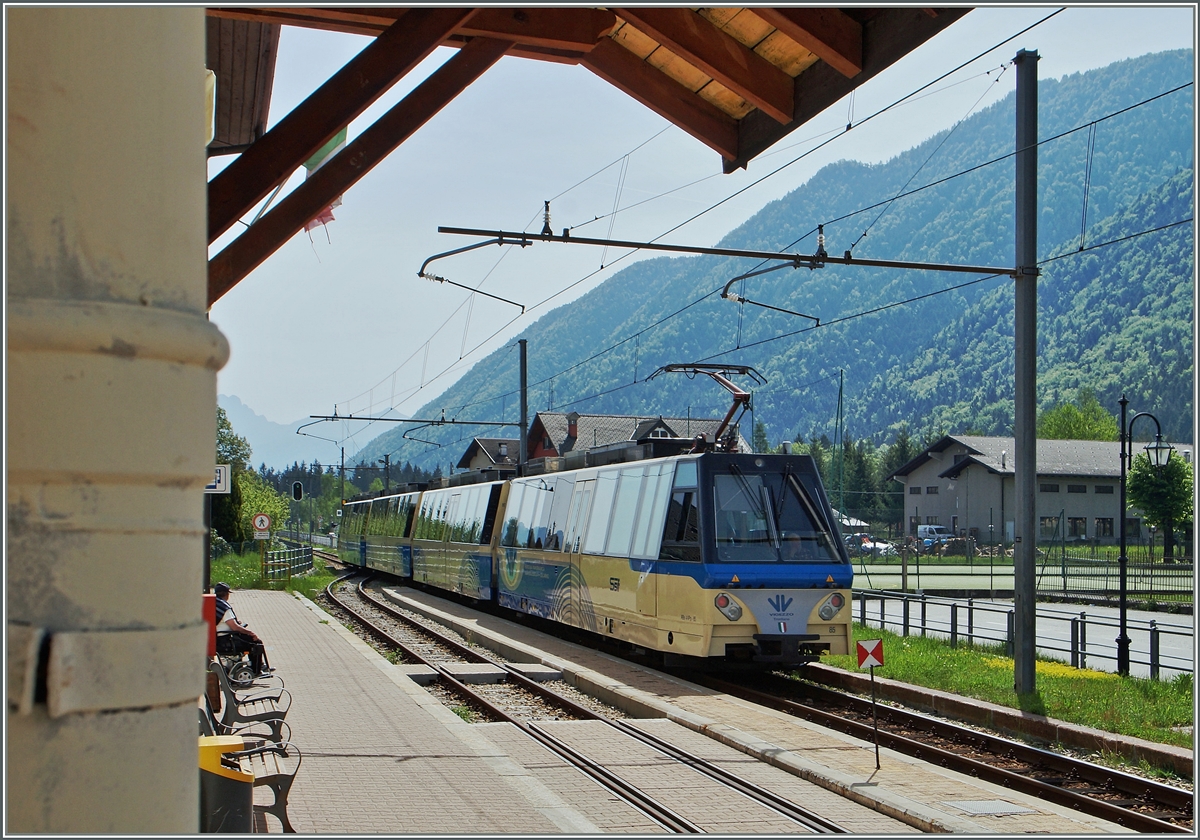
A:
{"x":523,"y":455}
{"x":1122,"y":560}
{"x":1025,"y":317}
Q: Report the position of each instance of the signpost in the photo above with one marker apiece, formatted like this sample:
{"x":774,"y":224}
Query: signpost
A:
{"x":870,"y":655}
{"x":219,"y":484}
{"x":262,"y":531}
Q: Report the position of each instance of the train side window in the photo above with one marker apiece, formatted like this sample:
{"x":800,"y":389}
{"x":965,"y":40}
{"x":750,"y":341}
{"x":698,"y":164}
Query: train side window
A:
{"x":559,"y":508}
{"x":625,"y":508}
{"x":581,"y":501}
{"x":407,"y":505}
{"x":602,"y":508}
{"x":489,"y":516}
{"x":650,"y":512}
{"x":511,"y":507}
{"x":681,"y":534}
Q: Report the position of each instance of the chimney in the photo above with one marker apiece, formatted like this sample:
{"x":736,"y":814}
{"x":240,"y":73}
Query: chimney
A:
{"x":573,"y":424}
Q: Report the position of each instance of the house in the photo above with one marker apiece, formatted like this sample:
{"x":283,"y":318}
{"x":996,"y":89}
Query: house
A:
{"x":490,"y":454}
{"x":967,"y":483}
{"x":554,"y":434}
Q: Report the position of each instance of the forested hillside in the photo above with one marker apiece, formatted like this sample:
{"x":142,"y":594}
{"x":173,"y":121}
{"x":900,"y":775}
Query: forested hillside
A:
{"x":1115,"y":295}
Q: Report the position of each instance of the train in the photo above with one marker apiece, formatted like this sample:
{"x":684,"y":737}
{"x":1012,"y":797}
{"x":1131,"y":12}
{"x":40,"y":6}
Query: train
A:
{"x":711,"y":558}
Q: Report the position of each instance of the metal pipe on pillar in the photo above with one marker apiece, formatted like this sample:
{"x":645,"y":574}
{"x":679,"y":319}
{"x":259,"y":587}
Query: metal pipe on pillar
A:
{"x":523,"y":456}
{"x":1025,"y":418}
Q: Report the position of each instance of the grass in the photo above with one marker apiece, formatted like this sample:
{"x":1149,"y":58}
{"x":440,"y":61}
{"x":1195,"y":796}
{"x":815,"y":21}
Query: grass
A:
{"x":1124,"y":705}
{"x":244,"y":571}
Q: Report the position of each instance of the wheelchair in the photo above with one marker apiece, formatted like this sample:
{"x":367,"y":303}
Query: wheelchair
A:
{"x":238,"y":670}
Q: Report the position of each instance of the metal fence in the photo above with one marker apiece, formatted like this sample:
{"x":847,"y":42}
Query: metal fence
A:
{"x":286,"y":563}
{"x":1158,"y":649}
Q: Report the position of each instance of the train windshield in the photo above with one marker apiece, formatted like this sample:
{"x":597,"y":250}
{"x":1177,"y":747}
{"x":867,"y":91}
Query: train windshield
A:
{"x":770,"y":517}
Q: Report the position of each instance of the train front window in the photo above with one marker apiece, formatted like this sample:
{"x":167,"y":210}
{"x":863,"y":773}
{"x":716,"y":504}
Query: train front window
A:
{"x":768,"y":517}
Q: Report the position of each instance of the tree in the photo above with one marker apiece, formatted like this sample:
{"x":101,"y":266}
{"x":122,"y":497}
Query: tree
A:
{"x":232,"y":448}
{"x":259,"y":497}
{"x":1085,"y":419}
{"x":760,"y":443}
{"x":1165,"y":499}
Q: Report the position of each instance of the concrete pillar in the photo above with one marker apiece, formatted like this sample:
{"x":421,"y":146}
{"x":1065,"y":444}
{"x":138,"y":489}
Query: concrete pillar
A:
{"x":111,"y":401}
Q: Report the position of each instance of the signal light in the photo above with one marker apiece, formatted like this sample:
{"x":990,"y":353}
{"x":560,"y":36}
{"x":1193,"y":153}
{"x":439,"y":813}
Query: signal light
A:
{"x":297,"y":490}
{"x":832,"y":605}
{"x":728,"y":607}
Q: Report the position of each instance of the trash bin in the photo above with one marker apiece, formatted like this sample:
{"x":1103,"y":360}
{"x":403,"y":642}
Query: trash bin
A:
{"x":226,"y":793}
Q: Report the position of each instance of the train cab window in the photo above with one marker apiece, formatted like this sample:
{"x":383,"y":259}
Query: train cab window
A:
{"x":681,"y":533}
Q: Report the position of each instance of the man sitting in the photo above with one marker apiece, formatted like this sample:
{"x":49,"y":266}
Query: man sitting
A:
{"x":233,"y":637}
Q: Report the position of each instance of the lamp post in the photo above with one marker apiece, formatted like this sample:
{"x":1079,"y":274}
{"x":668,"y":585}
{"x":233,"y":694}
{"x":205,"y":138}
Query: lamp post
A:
{"x":1159,"y":453}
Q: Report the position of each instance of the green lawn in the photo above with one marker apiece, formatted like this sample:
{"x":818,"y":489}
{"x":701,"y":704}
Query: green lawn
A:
{"x":1126,"y":705}
{"x":244,"y":571}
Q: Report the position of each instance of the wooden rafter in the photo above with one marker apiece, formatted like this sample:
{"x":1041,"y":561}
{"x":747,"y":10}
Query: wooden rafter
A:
{"x":575,"y":30}
{"x":344,"y":169}
{"x":279,"y":152}
{"x":699,"y":118}
{"x":832,"y":35}
{"x":734,"y":65}
{"x":887,"y":37}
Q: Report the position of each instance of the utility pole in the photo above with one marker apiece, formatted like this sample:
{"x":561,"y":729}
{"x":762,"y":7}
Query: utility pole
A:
{"x":523,"y":455}
{"x":1025,"y":318}
{"x":387,"y":475}
{"x":342,"y":493}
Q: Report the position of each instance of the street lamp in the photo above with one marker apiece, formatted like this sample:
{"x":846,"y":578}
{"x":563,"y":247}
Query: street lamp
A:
{"x":1159,"y":454}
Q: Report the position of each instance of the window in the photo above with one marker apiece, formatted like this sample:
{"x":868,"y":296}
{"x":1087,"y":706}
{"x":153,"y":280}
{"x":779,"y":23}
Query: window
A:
{"x":931,"y":491}
{"x":1133,"y":528}
{"x":1047,"y":527}
{"x":1047,"y":488}
{"x":914,"y":491}
{"x":625,"y":508}
{"x":1077,"y":526}
{"x":932,"y":520}
{"x":1076,"y":488}
{"x":913,"y":522}
{"x":660,"y":433}
{"x":602,"y":508}
{"x":1104,"y":488}
{"x":960,"y":457}
{"x":1104,"y":526}
{"x":503,"y":450}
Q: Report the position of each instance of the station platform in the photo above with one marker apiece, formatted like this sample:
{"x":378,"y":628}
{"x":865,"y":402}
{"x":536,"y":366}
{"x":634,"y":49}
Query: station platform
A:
{"x":381,"y":755}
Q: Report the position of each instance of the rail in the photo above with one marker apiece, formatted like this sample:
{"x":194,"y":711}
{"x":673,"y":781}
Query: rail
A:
{"x":973,"y":621}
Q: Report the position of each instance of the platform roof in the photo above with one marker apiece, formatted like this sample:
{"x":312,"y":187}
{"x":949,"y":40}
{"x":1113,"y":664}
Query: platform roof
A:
{"x":737,"y":79}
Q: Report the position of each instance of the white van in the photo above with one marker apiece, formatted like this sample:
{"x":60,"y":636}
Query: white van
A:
{"x":937,"y":533}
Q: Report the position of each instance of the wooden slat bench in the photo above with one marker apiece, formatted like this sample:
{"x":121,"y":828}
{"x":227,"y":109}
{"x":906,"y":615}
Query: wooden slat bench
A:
{"x":265,"y":707}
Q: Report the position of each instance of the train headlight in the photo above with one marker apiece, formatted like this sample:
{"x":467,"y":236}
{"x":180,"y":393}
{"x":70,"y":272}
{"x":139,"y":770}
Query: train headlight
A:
{"x":832,"y":605}
{"x":728,"y":607}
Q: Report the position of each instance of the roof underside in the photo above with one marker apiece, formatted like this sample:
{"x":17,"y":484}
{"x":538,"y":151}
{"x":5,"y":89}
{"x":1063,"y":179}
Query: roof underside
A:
{"x":736,"y":79}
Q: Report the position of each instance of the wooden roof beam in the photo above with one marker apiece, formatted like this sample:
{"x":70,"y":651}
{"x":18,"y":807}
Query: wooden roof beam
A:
{"x":572,"y":29}
{"x":727,"y":60}
{"x":272,"y":159}
{"x":887,"y":37}
{"x":698,"y":117}
{"x":830,"y":34}
{"x":345,"y":168}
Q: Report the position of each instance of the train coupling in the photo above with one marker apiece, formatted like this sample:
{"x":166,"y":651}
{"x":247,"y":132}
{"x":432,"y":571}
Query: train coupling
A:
{"x":782,"y":649}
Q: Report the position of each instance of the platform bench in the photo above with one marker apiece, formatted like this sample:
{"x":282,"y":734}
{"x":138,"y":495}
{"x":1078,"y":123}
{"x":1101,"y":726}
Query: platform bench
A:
{"x":266,"y":707}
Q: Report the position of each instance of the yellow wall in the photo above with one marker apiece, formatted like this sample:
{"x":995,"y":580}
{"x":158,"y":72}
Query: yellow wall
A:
{"x":110,"y":410}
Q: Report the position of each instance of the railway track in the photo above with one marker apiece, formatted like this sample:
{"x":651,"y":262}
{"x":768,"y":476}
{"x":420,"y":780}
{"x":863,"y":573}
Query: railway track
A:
{"x":1132,"y":801}
{"x":654,"y":809}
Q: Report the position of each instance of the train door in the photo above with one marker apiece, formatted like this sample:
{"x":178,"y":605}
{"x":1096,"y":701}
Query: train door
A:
{"x":581,"y":502}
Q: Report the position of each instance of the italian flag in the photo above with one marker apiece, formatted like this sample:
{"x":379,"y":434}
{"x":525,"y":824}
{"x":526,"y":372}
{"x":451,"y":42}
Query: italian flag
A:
{"x":336,"y":143}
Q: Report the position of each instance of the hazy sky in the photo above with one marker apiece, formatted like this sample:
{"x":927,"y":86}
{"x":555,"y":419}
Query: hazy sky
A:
{"x":342,"y":319}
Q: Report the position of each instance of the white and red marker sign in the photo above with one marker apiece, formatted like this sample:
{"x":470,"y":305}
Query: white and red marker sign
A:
{"x":870,"y":653}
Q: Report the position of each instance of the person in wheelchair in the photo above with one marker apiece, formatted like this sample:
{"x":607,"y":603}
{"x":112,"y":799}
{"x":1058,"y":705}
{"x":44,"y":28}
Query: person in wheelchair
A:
{"x":235,"y":638}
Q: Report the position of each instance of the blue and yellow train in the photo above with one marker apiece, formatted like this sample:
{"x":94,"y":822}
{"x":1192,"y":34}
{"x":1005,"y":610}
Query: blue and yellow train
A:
{"x":713,"y":556}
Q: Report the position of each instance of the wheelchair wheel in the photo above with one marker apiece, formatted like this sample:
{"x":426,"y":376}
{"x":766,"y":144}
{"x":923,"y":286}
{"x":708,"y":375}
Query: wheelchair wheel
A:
{"x":241,"y":674}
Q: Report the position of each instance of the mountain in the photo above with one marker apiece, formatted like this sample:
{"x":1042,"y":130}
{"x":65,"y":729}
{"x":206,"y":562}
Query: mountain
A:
{"x":931,"y":350}
{"x":273,"y":444}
